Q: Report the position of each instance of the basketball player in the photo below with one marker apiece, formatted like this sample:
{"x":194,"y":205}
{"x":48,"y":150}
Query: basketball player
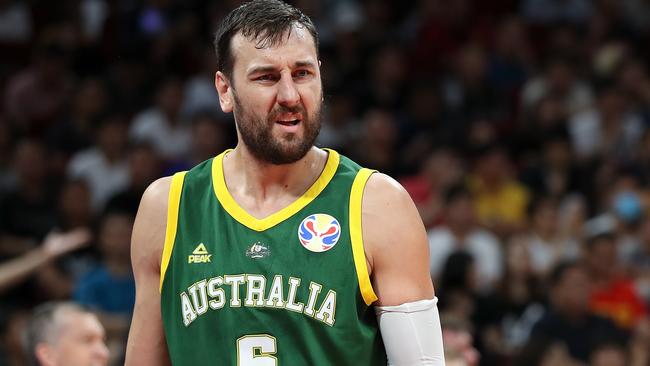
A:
{"x":65,"y":334}
{"x":278,"y":252}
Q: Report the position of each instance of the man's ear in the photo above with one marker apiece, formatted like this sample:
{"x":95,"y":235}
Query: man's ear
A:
{"x":44,"y":354}
{"x":223,"y":86}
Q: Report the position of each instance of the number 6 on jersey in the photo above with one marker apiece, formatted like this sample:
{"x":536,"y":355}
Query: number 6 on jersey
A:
{"x":256,"y":350}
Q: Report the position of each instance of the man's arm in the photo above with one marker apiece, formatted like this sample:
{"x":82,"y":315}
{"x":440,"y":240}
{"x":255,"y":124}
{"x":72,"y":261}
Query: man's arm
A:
{"x":396,"y":243}
{"x":146,"y":345}
{"x":55,"y":245}
{"x":397,"y":252}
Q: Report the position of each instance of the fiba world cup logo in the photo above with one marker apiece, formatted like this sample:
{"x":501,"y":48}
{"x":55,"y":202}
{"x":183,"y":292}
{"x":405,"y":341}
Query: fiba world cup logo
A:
{"x":319,"y":232}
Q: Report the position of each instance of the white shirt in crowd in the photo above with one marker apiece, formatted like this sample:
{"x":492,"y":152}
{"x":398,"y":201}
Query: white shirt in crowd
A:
{"x":170,"y":141}
{"x":480,"y":244}
{"x":103,"y":178}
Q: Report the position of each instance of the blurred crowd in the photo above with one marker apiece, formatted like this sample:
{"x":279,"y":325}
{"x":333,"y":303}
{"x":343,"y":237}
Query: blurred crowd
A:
{"x":521,"y":129}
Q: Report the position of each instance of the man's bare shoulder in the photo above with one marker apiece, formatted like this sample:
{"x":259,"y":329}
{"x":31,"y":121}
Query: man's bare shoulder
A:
{"x":151,"y":220}
{"x":381,"y":185}
{"x":157,"y":193}
{"x":387,"y":205}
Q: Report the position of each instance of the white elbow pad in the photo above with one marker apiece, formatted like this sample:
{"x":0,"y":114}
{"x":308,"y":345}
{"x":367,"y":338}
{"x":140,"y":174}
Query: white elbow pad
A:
{"x":412,"y":333}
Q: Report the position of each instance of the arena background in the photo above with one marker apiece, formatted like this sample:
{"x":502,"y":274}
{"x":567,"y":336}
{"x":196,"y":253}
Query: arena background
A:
{"x":520,"y":129}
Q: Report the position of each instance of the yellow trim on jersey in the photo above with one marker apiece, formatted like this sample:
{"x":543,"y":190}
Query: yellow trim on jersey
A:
{"x":238,"y":213}
{"x":173,"y":204}
{"x":356,"y":235}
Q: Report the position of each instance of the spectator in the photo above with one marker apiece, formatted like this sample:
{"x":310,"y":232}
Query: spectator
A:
{"x":613,"y":295}
{"x":15,"y":22}
{"x":568,"y":320}
{"x":460,"y":232}
{"x":74,"y":205}
{"x":561,"y":81}
{"x":458,"y":344}
{"x":104,"y":168}
{"x":609,"y":354}
{"x":457,"y":287}
{"x":200,"y":94}
{"x":75,"y":133}
{"x":377,"y":142}
{"x":340,"y":124}
{"x":511,"y":58}
{"x":637,"y":261}
{"x":113,"y":275}
{"x":54,"y":246}
{"x":506,"y":316}
{"x":36,"y":97}
{"x":610,"y":130}
{"x":28,"y":211}
{"x":144,"y":168}
{"x":549,"y":11}
{"x":210,"y":136}
{"x":555,"y":175}
{"x":467,"y":95}
{"x":441,"y":170}
{"x":161,"y":125}
{"x":64,"y":334}
{"x":544,"y":241}
{"x":501,"y":200}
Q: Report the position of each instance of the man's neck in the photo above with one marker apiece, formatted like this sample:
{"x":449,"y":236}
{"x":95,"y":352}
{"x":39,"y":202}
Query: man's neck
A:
{"x":262,"y":188}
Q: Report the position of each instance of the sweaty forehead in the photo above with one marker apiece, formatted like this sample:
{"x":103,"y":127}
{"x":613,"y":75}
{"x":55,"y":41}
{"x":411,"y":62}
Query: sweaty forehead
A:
{"x":298,"y":46}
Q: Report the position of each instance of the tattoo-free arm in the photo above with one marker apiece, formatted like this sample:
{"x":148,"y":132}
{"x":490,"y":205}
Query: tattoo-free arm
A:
{"x":146,"y":345}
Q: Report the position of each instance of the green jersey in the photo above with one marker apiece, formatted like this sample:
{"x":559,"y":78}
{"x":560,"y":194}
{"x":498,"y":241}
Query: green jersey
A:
{"x":290,"y":289}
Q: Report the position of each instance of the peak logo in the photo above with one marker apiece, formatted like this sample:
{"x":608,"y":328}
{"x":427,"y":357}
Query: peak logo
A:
{"x":199,"y":255}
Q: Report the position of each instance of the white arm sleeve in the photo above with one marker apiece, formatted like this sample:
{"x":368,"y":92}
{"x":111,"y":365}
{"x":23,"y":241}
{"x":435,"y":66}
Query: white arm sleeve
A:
{"x":412,"y":333}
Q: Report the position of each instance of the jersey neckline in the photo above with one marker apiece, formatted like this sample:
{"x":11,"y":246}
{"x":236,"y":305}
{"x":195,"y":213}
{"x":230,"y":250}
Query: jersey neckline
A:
{"x":243,"y":217}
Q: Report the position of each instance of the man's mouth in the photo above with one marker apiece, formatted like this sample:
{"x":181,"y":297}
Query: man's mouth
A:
{"x":292,"y":122}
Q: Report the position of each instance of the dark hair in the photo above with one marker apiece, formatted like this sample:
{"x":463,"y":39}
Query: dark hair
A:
{"x":264,"y":21}
{"x":455,"y":192}
{"x":557,"y":273}
{"x":455,"y":272}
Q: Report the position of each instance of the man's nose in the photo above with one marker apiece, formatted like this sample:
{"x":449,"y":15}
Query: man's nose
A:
{"x":101,"y":352}
{"x":288,"y":95}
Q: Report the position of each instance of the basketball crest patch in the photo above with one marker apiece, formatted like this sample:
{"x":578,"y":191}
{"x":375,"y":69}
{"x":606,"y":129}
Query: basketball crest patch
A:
{"x":319,"y":232}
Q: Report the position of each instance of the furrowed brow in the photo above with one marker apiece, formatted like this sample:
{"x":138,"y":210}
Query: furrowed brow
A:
{"x":304,"y":64}
{"x":261,"y":70}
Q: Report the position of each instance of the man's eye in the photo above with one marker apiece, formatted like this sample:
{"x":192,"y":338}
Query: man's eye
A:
{"x":264,"y":77}
{"x":302,"y":73}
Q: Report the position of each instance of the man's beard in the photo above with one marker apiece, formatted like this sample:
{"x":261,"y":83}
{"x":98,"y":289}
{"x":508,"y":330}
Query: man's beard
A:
{"x":258,"y":136}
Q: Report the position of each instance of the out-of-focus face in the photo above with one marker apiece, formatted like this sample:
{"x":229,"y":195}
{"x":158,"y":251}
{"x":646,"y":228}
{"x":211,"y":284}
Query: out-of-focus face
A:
{"x":571,"y":294}
{"x":545,"y":218}
{"x":608,"y":357}
{"x":113,"y":137}
{"x":115,"y":236}
{"x":80,"y":341}
{"x":208,"y":137}
{"x":91,"y":98}
{"x":30,"y":162}
{"x":276,"y":95}
{"x":443,"y":167}
{"x":518,"y":257}
{"x":472,"y":64}
{"x":379,"y":128}
{"x":602,"y":256}
{"x":75,"y":200}
{"x":170,"y":98}
{"x":144,"y":166}
{"x":461,"y":212}
{"x":558,"y":153}
{"x":560,"y":78}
